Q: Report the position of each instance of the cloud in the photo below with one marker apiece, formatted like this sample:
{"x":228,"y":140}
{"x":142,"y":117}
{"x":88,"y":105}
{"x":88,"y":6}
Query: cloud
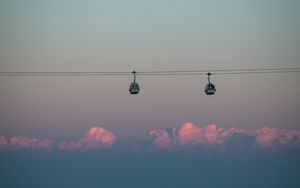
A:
{"x":3,"y":142}
{"x":94,"y":138}
{"x":187,"y":135}
{"x":267,"y":137}
{"x":161,"y":137}
{"x":190,"y":135}
{"x":26,"y":142}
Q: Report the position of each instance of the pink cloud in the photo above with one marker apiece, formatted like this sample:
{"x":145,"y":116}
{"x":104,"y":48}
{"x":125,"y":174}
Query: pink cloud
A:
{"x":267,"y":137}
{"x":161,"y":137}
{"x":3,"y":142}
{"x":26,"y":142}
{"x":188,"y":134}
{"x":290,"y":136}
{"x":192,"y":135}
{"x":94,"y":138}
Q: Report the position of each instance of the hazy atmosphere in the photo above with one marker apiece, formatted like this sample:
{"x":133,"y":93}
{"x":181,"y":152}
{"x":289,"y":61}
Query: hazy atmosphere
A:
{"x":88,"y":131}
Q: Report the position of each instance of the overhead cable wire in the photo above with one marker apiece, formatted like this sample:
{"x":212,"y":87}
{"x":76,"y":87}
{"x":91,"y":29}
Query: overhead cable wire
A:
{"x":218,"y":70}
{"x":154,"y":73}
{"x":217,"y":73}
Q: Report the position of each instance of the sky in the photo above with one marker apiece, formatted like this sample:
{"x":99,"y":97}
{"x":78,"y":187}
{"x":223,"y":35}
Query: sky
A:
{"x":60,"y":119}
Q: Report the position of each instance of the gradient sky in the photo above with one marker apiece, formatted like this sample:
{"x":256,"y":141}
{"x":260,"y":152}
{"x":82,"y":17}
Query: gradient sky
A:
{"x":143,"y":35}
{"x":90,"y":35}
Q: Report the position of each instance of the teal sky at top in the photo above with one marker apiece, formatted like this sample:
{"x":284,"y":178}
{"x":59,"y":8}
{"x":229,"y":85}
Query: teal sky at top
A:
{"x":90,"y":35}
{"x":121,"y":35}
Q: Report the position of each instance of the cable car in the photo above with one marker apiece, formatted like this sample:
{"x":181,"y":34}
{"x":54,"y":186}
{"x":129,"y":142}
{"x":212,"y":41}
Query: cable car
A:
{"x":134,"y":88}
{"x":210,"y":88}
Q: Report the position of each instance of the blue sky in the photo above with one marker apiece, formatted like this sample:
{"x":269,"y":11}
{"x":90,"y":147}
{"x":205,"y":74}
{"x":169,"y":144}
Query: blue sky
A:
{"x":59,"y":112}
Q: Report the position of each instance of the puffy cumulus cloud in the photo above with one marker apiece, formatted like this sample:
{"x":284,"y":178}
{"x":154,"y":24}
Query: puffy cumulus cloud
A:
{"x":97,"y":137}
{"x":94,"y":138}
{"x":190,"y":135}
{"x":26,"y":142}
{"x":3,"y":141}
{"x":267,"y":137}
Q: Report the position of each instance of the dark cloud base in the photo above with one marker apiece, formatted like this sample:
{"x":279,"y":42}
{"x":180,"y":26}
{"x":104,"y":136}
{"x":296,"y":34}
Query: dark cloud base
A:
{"x":116,"y":168}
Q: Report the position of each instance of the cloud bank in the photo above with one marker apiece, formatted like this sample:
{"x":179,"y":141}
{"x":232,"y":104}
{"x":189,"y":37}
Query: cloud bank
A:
{"x":190,"y":135}
{"x":187,"y":135}
{"x":94,"y":138}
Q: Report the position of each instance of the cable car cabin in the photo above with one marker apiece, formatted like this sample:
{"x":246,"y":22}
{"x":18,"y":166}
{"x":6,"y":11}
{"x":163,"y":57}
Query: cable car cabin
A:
{"x":134,"y":88}
{"x":210,"y":89}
